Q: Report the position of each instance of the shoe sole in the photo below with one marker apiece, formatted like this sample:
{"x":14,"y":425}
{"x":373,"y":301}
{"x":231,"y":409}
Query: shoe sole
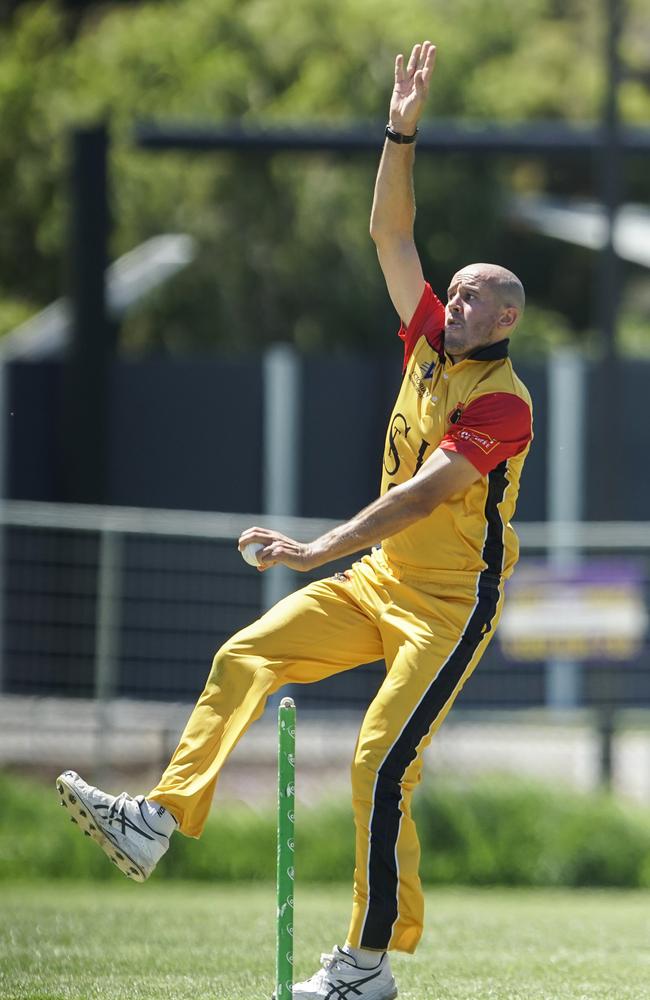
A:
{"x":81,"y":815}
{"x":387,"y":996}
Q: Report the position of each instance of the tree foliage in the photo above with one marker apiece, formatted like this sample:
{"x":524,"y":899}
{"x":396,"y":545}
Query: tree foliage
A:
{"x":284,"y":247}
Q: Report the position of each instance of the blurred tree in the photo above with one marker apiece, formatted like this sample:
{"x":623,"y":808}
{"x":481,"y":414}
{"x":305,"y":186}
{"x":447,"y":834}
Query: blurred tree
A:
{"x":284,"y":250}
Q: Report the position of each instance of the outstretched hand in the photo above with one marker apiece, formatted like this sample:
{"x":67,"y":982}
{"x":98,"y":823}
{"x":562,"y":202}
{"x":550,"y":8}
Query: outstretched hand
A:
{"x":411,"y":87}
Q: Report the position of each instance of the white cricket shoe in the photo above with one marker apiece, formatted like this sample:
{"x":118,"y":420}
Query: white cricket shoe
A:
{"x":340,"y":978}
{"x":116,"y":823}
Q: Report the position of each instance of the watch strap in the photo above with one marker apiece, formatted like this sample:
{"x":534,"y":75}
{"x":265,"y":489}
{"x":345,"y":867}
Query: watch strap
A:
{"x":399,"y":137}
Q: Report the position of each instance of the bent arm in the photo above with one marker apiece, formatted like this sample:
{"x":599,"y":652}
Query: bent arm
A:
{"x":443,"y":474}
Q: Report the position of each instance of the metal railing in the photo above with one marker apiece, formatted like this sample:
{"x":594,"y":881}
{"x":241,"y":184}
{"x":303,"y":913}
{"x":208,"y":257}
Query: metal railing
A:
{"x":122,"y":609}
{"x":104,"y":601}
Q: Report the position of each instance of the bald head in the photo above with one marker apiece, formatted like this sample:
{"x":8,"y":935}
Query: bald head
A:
{"x":504,"y":283}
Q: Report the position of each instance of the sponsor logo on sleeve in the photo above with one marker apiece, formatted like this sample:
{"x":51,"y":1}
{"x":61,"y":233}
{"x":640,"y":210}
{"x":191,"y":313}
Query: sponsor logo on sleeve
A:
{"x":473,"y":436}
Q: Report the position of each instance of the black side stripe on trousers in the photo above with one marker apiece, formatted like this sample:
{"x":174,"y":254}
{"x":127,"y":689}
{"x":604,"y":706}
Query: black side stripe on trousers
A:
{"x":385,"y":820}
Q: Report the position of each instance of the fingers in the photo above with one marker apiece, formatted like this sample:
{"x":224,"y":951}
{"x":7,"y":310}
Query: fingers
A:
{"x":255,"y":536}
{"x":278,"y":552}
{"x":429,"y":61}
{"x":421,"y":60}
{"x":425,"y":64}
{"x":413,"y":60}
{"x":420,"y":84}
{"x":265,"y":558}
{"x":276,"y":546}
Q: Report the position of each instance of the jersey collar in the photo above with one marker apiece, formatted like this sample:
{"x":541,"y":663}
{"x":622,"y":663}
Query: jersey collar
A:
{"x":493,"y":352}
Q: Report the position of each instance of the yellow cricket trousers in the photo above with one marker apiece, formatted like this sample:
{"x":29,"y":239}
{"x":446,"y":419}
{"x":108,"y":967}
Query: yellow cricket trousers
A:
{"x":431,"y":636}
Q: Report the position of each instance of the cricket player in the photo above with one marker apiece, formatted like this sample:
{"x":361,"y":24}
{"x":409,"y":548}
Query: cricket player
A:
{"x":426,"y":597}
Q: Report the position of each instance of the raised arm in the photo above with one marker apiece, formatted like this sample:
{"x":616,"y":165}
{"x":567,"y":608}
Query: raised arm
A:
{"x":393,"y":207}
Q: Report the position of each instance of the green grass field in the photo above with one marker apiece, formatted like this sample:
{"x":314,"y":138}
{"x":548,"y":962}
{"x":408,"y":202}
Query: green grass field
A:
{"x":194,"y":942}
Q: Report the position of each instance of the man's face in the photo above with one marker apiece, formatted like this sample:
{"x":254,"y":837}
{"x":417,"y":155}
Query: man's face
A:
{"x":471,"y":314}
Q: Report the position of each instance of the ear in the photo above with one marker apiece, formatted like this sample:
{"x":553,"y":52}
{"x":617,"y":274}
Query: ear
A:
{"x":508,"y":318}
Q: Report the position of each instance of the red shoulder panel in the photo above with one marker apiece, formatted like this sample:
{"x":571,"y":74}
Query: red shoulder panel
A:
{"x":492,"y":428}
{"x":428,"y":321}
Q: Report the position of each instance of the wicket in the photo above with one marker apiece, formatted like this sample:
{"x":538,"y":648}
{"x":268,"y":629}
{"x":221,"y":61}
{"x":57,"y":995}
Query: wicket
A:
{"x":285,"y":867}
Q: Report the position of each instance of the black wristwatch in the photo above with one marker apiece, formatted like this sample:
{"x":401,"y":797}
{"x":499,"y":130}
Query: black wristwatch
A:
{"x":398,"y":137}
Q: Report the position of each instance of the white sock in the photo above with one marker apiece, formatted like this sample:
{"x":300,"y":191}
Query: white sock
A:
{"x":157,"y":817}
{"x":365,"y":958}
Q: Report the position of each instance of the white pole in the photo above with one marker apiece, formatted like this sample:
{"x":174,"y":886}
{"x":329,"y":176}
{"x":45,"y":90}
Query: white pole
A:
{"x":281,"y":441}
{"x":565,"y":493}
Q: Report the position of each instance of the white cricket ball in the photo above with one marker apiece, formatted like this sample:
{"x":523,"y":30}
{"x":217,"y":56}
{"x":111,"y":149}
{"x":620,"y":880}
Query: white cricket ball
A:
{"x":249,"y":553}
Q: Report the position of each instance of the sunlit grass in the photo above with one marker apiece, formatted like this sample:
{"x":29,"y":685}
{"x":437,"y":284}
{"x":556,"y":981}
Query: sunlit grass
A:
{"x":216,"y":942}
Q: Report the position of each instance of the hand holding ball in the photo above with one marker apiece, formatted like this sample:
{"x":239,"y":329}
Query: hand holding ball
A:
{"x":249,"y":553}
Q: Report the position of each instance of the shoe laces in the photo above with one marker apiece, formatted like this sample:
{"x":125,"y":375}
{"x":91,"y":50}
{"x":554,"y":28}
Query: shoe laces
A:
{"x":117,"y":812}
{"x":328,"y":962}
{"x":333,"y":961}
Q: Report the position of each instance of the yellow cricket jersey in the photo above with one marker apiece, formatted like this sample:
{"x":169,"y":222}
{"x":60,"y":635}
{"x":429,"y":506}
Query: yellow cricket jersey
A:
{"x":479,"y":408}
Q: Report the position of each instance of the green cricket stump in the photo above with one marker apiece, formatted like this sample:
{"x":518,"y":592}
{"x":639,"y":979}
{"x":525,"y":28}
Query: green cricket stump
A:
{"x":285,"y":868}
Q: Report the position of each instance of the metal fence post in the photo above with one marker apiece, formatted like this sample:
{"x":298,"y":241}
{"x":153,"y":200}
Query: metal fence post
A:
{"x":107,"y":629}
{"x":566,"y":423}
{"x":281,"y":460}
{"x":606,"y":738}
